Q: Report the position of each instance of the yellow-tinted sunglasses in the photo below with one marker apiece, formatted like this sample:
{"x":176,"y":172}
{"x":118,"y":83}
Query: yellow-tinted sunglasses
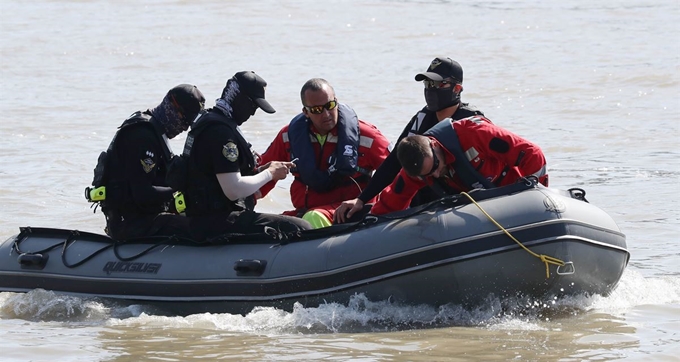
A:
{"x":319,"y":109}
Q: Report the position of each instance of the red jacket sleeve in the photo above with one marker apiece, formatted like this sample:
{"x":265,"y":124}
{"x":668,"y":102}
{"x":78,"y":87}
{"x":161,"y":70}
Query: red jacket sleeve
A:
{"x":397,"y":196}
{"x":275,"y":152}
{"x":532,"y":163}
{"x":380,"y":148}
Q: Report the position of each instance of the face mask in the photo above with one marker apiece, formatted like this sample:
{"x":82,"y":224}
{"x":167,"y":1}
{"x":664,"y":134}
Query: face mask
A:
{"x":234,"y":104}
{"x":242,"y":108}
{"x":440,"y":98}
{"x":168,"y":116}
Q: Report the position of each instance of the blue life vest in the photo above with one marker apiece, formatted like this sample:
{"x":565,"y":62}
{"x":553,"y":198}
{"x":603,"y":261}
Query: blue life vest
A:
{"x":343,"y":163}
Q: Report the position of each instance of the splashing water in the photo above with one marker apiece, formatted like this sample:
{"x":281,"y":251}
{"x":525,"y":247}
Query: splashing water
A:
{"x":359,"y":315}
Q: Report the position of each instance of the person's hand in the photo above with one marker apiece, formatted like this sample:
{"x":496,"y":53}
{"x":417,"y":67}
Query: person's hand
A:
{"x":263,"y":167}
{"x":279,"y":170}
{"x":258,"y":157}
{"x":353,"y":206}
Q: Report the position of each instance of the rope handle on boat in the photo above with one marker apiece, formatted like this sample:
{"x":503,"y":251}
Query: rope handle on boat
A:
{"x":544,"y":258}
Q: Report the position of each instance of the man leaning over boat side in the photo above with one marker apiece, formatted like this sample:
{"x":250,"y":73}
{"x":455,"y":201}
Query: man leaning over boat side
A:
{"x":336,"y":153}
{"x":222,"y":172}
{"x":129,"y":180}
{"x":456,"y":156}
{"x":443,"y":82}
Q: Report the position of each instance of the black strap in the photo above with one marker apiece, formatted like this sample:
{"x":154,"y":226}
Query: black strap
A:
{"x":446,"y":135}
{"x":507,"y":168}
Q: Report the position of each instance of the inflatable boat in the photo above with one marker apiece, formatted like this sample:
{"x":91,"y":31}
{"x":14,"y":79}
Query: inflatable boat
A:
{"x":519,"y":240}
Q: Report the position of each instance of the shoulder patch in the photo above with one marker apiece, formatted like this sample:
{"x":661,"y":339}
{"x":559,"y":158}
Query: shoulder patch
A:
{"x":230,"y":151}
{"x":147,"y":164}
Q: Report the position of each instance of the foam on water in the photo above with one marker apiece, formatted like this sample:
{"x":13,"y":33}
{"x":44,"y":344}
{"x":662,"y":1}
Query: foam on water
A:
{"x":359,"y":315}
{"x":42,"y":305}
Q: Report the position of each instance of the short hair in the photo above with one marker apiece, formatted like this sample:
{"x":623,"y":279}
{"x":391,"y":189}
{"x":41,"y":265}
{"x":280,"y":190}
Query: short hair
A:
{"x":411,"y":153}
{"x":314,"y":84}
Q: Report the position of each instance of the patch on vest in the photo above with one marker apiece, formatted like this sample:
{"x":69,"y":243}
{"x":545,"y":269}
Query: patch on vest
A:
{"x":499,"y":145}
{"x":230,"y":151}
{"x":147,"y":165}
{"x":349,"y":150}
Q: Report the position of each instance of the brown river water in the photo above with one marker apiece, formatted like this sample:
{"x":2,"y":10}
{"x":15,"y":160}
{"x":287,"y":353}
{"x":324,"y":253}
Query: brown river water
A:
{"x":596,"y":84}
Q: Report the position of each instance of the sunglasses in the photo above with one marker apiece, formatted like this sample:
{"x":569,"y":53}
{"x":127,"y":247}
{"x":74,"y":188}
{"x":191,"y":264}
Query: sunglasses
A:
{"x":436,"y":83}
{"x":319,"y":109}
{"x":180,"y":112}
{"x":435,"y":165}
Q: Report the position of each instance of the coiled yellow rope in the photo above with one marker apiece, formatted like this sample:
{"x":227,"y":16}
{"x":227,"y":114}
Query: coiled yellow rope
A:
{"x":544,"y":258}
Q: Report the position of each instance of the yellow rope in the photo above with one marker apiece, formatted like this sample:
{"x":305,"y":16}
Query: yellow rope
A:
{"x":544,"y":258}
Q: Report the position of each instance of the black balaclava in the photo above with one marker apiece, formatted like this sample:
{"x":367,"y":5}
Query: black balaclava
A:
{"x":442,"y":69}
{"x":178,"y":109}
{"x":441,"y":98}
{"x":169,"y":117}
{"x":235,"y":104}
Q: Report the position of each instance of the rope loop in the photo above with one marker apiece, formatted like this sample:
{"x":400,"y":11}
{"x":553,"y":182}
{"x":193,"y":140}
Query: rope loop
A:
{"x":544,"y":258}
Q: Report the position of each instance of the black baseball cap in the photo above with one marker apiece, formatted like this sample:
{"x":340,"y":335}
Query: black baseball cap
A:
{"x":253,"y":85}
{"x":441,"y":68}
{"x":189,"y":99}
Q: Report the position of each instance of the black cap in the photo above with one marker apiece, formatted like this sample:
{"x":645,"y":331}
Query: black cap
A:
{"x":189,"y":99}
{"x":442,"y":68}
{"x":253,"y":85}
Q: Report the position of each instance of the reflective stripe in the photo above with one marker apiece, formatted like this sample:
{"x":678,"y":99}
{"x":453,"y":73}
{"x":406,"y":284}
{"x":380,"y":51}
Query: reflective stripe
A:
{"x":363,"y":140}
{"x":540,"y":172}
{"x":476,"y":120}
{"x":471,"y":154}
{"x":330,"y":138}
{"x":416,"y":125}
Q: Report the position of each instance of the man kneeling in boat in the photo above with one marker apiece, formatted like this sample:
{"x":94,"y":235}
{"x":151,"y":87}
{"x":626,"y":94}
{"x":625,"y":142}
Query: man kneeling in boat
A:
{"x":129,"y":179}
{"x":336,"y":153}
{"x":462,"y":155}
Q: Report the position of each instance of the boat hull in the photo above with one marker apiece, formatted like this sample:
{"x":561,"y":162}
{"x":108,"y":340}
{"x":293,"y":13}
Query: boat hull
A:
{"x":443,"y":253}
